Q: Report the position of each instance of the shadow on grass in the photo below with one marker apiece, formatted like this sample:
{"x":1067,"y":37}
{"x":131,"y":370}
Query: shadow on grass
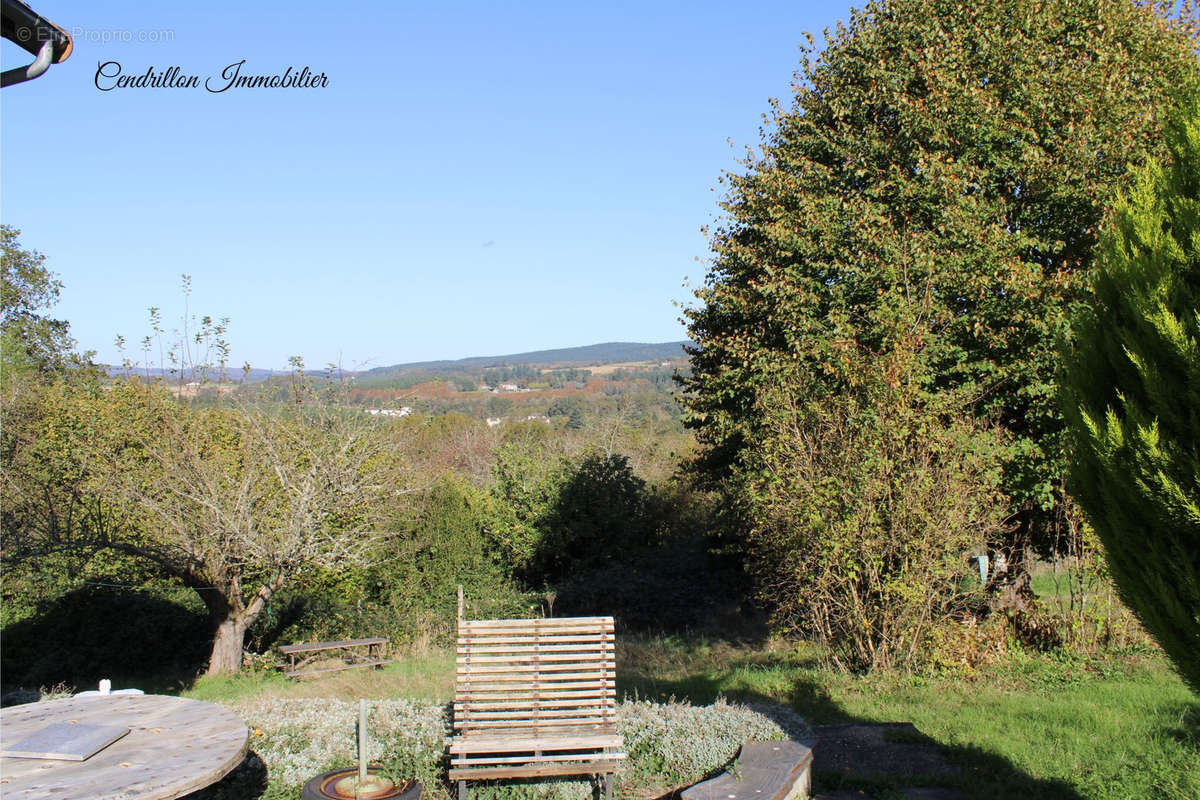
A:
{"x":853,"y":754}
{"x":136,"y":639}
{"x":1187,"y":732}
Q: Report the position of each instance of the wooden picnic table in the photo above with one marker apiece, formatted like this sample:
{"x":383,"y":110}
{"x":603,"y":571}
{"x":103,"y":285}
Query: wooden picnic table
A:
{"x":368,"y":652}
{"x":174,"y":746}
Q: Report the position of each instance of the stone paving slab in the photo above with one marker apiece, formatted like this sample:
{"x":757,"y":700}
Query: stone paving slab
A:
{"x":896,"y":753}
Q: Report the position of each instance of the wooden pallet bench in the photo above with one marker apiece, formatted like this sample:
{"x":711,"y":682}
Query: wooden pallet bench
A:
{"x":763,"y":771}
{"x":370,"y":652}
{"x":535,"y":698}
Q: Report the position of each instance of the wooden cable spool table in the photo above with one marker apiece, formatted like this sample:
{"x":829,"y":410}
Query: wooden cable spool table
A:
{"x":174,"y":746}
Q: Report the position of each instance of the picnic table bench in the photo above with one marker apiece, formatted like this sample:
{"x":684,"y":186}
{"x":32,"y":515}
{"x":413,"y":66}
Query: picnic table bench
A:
{"x":535,"y":698}
{"x":369,"y":652}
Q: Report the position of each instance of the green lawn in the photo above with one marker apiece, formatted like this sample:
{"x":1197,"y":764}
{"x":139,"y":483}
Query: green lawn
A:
{"x":427,"y":676}
{"x":1035,"y":727}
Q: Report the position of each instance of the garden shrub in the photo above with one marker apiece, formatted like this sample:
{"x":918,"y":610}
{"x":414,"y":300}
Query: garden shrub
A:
{"x":679,"y":586}
{"x":864,"y":507}
{"x":409,"y":591}
{"x":600,"y":516}
{"x":451,"y":541}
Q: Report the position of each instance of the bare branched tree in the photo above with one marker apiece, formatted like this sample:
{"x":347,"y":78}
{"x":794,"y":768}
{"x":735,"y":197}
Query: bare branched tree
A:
{"x":240,"y":501}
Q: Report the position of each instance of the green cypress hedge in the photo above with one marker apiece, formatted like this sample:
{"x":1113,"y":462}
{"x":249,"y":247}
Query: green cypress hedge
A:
{"x":1132,"y":395}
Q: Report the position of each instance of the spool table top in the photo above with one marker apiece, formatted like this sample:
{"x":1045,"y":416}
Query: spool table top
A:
{"x":174,"y":746}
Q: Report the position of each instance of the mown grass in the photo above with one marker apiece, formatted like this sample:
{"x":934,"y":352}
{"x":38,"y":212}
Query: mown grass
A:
{"x":1032,"y":726}
{"x":425,"y":676}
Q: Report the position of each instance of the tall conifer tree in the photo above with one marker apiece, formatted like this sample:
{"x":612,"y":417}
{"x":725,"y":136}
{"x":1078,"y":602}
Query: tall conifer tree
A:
{"x":1133,"y":399}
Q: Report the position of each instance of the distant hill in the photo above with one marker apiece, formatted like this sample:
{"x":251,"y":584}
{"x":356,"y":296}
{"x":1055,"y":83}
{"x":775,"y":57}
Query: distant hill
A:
{"x":231,"y":374}
{"x":592,"y":354}
{"x":607,"y":353}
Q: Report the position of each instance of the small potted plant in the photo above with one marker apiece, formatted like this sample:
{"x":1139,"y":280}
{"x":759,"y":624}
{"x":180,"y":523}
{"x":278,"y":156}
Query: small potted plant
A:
{"x":362,"y":782}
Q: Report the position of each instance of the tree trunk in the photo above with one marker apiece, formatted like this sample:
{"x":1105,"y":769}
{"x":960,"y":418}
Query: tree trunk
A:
{"x":231,"y":618}
{"x":227,"y":646}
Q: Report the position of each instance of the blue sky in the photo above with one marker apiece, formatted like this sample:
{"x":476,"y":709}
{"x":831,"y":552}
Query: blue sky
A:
{"x":475,"y":179}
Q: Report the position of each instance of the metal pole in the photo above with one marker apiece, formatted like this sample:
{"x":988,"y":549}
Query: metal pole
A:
{"x":362,"y":745}
{"x":21,"y":74}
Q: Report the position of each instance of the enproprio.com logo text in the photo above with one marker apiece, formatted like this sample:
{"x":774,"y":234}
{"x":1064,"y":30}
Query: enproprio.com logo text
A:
{"x":119,"y":35}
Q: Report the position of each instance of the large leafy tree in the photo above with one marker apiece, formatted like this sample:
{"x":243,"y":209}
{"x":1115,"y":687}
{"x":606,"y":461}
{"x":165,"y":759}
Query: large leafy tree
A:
{"x":935,"y":188}
{"x":1133,"y":398}
{"x":40,"y":494}
{"x":30,"y":341}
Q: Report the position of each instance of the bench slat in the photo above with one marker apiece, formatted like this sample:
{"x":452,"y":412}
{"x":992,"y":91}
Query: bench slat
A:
{"x":536,"y":702}
{"x":532,"y":638}
{"x":518,"y":659}
{"x":535,"y":693}
{"x":488,"y":684}
{"x":560,"y":700}
{"x":507,"y":719}
{"x":599,"y":707}
{"x":591,"y":708}
{"x":543,"y":622}
{"x":545,"y":666}
{"x":308,"y":647}
{"x":492,"y":684}
{"x":302,"y":672}
{"x":550,"y":646}
{"x":577,"y":630}
{"x":567,"y":757}
{"x":534,"y":771}
{"x":526,"y":722}
{"x":528,"y":743}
